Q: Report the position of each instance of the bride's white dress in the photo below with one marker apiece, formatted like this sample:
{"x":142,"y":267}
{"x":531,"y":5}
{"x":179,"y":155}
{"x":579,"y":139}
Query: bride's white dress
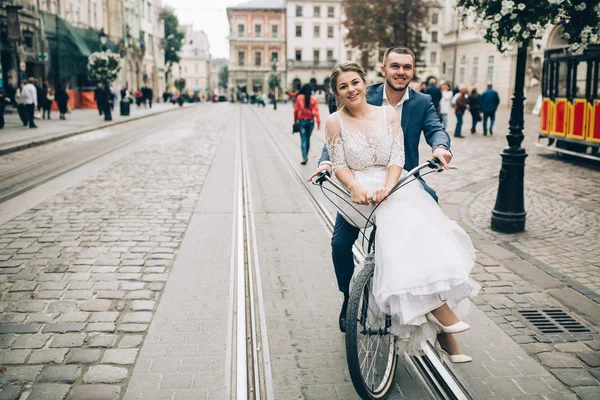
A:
{"x":422,"y":259}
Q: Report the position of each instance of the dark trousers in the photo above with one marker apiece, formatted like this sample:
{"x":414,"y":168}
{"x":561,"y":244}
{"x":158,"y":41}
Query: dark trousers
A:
{"x":306,"y":128}
{"x":46,"y":110}
{"x":107,"y":113}
{"x":30,"y":108}
{"x":475,"y":118}
{"x":492,"y":117}
{"x":150,"y":103}
{"x":459,"y":122}
{"x":1,"y":119}
{"x":22,"y":111}
{"x":99,"y":105}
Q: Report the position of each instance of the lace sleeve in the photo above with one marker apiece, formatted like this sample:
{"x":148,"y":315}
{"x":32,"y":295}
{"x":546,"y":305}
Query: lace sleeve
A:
{"x":333,"y":139}
{"x":397,"y":155}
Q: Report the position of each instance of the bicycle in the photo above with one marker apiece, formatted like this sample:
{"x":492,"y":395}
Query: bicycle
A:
{"x":370,"y":348}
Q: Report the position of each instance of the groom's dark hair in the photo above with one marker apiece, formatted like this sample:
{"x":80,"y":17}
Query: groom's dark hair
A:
{"x":398,"y":50}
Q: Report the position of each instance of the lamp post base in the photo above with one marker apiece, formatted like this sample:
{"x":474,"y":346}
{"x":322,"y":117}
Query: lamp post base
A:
{"x":508,"y":215}
{"x":508,"y":222}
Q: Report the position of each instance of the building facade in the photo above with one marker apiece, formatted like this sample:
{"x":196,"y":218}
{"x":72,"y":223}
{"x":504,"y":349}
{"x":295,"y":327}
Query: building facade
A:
{"x":315,"y":41}
{"x":257,"y":40}
{"x":195,"y":63}
{"x":151,"y":34}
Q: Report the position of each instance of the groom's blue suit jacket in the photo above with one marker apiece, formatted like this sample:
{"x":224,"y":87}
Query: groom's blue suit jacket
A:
{"x":418,"y":114}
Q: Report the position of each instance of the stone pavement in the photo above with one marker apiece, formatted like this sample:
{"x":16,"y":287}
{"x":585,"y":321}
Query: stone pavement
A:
{"x":81,"y":273}
{"x":521,"y":271}
{"x":14,"y":135}
{"x":554,"y":264}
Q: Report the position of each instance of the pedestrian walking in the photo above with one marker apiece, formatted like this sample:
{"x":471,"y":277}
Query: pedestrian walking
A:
{"x":29,"y":92}
{"x":62,"y":100}
{"x":260,"y":99}
{"x":20,"y":102}
{"x":107,"y":104}
{"x":306,"y":112}
{"x":475,"y":109}
{"x":489,"y":104}
{"x":445,"y":104}
{"x":99,"y":98}
{"x":461,"y":104}
{"x":47,"y":100}
{"x":149,"y":96}
{"x":435,"y":93}
{"x":138,"y":98}
{"x":3,"y":100}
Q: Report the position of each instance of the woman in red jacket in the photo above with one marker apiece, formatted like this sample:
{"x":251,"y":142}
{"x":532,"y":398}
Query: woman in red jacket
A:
{"x":306,"y":112}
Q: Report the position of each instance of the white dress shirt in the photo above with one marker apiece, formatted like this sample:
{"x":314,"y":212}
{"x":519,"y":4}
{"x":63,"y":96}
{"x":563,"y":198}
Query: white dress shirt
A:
{"x":398,"y":107}
{"x":30,"y":94}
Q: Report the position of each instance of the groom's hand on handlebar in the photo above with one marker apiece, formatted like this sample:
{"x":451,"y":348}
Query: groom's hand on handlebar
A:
{"x":443,"y":155}
{"x":322,"y":167}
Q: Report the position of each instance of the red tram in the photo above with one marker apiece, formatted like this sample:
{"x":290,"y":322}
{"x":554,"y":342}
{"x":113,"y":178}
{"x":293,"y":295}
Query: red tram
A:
{"x":570,"y":112}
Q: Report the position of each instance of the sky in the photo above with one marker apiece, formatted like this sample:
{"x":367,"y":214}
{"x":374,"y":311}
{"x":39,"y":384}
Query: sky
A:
{"x":209,"y":16}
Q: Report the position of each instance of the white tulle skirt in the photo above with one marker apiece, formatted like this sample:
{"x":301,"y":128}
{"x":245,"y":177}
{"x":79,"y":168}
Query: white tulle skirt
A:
{"x":422,"y":260}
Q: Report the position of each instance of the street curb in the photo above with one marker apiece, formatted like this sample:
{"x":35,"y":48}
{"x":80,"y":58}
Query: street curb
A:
{"x":12,"y":148}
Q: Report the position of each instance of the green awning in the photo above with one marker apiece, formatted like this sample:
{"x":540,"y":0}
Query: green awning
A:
{"x":69,"y":48}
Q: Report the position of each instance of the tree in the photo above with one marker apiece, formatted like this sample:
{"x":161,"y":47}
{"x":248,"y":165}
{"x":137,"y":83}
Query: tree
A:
{"x":379,"y":24}
{"x":504,"y":23}
{"x":223,"y":76}
{"x":173,"y":38}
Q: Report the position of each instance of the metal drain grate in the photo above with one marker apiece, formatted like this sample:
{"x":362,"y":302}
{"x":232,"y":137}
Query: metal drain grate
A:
{"x":553,"y":320}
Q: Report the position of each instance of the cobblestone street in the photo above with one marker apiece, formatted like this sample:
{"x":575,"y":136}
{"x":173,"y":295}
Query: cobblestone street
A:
{"x":117,"y":285}
{"x":82,"y":272}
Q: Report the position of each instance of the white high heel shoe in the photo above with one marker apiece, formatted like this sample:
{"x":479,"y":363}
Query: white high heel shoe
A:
{"x":455,"y":359}
{"x":456,"y":328}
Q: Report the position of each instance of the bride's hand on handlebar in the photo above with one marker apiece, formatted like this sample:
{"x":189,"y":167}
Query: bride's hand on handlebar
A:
{"x":359,"y":194}
{"x":322,"y":167}
{"x":380,"y":194}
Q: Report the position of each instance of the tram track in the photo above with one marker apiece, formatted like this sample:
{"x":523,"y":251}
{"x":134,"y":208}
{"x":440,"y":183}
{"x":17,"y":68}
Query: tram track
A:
{"x":441,"y":381}
{"x":249,"y":365}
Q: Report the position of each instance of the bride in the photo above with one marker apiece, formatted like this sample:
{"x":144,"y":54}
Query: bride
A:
{"x":366,"y":147}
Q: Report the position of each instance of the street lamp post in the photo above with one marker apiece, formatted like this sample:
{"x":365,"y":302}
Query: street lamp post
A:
{"x":508,"y":215}
{"x":103,"y":39}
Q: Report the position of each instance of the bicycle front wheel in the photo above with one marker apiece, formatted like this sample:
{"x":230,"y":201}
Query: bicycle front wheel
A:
{"x":370,"y":347}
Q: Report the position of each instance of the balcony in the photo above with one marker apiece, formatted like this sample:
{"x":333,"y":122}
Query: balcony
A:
{"x":235,"y":37}
{"x":317,"y":64}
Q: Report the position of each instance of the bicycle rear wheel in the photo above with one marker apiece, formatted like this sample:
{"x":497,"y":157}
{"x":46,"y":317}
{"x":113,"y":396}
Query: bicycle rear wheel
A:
{"x":370,"y":347}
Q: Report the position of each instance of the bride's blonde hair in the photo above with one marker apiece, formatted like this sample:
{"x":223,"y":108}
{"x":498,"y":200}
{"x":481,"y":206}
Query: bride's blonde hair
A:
{"x":340,"y":68}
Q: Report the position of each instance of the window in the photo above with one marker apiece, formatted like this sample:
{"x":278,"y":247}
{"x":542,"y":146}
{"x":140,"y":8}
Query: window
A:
{"x":257,"y":30}
{"x":330,"y":12}
{"x":150,"y":46}
{"x":490,"y":69}
{"x":196,"y":68}
{"x":434,"y":37}
{"x":463,"y":60}
{"x":580,"y":79}
{"x":149,"y":11}
{"x":330,"y":32}
{"x":451,"y":73}
{"x":433,"y":58}
{"x":434,"y":19}
{"x":298,"y":30}
{"x":316,"y":31}
{"x":329,"y":55}
{"x":257,"y":58}
{"x":316,"y":11}
{"x":316,"y":56}
{"x":349,"y":55}
{"x":298,"y":11}
{"x":274,"y":56}
{"x":275,"y":31}
{"x":475,"y":76}
{"x":443,"y":68}
{"x":462,"y":75}
{"x":298,"y":55}
{"x":28,"y":39}
{"x":240,"y":30}
{"x":241,"y":58}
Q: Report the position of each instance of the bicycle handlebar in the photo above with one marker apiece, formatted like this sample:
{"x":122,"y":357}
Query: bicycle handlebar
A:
{"x":433,"y":164}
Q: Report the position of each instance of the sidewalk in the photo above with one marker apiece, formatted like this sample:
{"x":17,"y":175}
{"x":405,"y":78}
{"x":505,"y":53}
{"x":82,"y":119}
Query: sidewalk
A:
{"x":15,"y":137}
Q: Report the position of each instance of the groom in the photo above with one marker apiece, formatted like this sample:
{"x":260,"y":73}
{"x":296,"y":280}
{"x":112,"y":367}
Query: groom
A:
{"x":417,"y":113}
